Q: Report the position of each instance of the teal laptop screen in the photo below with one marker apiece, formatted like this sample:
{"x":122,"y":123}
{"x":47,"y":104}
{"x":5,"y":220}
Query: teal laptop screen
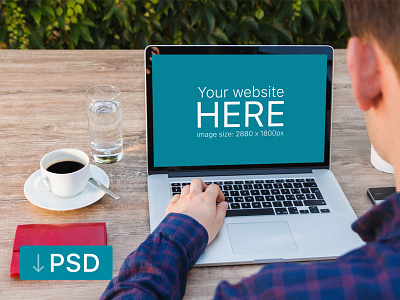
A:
{"x":211,"y":110}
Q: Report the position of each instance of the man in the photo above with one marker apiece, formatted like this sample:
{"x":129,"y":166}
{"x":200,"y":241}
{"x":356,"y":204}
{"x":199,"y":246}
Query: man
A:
{"x":159,"y":267}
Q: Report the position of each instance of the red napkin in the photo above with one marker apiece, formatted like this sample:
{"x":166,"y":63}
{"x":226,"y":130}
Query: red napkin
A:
{"x":76,"y":234}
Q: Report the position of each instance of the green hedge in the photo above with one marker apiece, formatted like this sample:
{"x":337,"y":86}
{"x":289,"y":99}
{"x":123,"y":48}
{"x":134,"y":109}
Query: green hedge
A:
{"x":127,"y":24}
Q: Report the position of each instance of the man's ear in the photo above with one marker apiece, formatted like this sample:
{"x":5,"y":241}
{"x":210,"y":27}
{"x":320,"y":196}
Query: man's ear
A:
{"x":364,"y":72}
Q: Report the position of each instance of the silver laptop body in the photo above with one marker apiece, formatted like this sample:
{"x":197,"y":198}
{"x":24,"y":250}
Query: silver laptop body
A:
{"x":287,"y":231}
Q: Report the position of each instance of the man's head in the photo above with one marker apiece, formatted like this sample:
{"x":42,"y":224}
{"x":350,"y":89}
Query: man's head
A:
{"x":373,"y":59}
{"x":378,"y":19}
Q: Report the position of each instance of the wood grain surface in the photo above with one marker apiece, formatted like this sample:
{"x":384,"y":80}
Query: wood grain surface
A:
{"x":43,"y":108}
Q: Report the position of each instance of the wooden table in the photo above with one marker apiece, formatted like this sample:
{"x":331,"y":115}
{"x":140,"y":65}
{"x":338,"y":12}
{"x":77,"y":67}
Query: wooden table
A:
{"x":43,"y":108}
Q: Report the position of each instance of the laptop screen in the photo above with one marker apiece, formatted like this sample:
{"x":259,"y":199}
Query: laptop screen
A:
{"x":238,"y":109}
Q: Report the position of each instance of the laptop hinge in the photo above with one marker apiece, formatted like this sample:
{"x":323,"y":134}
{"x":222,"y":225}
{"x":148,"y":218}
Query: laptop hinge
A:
{"x":237,"y":172}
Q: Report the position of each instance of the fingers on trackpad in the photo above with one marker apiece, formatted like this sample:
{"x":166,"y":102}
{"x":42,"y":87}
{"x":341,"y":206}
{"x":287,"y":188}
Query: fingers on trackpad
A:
{"x":261,"y":237}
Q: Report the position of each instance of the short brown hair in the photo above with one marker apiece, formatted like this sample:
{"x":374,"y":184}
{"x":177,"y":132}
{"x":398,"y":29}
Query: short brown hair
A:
{"x":379,"y":19}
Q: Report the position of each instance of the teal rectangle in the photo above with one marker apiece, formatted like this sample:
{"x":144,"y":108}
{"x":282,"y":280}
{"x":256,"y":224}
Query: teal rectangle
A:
{"x":177,"y":84}
{"x":44,"y":262}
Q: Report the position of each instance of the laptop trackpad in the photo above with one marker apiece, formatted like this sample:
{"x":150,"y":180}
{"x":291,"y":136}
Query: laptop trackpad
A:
{"x":261,"y":237}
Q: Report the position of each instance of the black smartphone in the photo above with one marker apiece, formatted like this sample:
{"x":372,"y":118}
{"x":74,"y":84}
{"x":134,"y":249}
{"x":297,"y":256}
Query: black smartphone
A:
{"x":379,"y":194}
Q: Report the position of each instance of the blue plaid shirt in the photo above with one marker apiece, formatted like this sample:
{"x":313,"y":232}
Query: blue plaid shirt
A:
{"x":159,"y":267}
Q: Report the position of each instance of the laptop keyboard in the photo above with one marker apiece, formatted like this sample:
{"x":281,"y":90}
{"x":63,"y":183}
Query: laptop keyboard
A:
{"x":268,"y":197}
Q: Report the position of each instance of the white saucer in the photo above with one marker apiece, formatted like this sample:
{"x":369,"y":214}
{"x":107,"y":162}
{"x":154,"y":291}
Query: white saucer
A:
{"x":48,"y":200}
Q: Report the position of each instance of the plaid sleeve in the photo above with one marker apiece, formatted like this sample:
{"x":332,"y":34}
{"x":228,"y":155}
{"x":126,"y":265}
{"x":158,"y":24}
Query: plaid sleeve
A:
{"x":158,"y":268}
{"x":370,"y":272}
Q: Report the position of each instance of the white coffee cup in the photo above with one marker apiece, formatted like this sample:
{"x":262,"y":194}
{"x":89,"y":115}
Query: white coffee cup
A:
{"x":64,"y":185}
{"x":379,"y":163}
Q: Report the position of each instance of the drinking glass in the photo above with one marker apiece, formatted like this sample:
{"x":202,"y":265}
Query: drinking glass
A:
{"x":105,"y":123}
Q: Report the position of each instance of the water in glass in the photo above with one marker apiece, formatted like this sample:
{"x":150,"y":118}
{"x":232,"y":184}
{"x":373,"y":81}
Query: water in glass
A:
{"x":105,"y":127}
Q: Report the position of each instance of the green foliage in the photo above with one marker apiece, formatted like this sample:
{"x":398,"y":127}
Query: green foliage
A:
{"x":127,"y":24}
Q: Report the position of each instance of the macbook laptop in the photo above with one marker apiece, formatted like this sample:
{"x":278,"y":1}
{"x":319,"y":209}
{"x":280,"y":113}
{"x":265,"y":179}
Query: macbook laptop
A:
{"x":255,"y":120}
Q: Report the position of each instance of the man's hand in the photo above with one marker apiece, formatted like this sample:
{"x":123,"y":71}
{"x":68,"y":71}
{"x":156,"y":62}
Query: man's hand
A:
{"x":198,"y":200}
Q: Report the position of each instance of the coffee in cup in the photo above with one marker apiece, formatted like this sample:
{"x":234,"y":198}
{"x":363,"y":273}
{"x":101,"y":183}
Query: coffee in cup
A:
{"x":65,"y":167}
{"x":64,"y":172}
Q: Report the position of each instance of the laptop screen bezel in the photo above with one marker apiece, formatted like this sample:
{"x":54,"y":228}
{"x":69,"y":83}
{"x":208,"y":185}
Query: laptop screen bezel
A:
{"x":226,"y":50}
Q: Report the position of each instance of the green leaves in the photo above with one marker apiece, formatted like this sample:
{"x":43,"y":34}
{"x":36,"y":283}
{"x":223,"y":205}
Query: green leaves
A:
{"x":220,"y":36}
{"x":70,"y":12}
{"x":36,"y":14}
{"x":250,"y":22}
{"x":78,"y":9}
{"x":195,"y":16}
{"x":76,"y":33}
{"x":259,"y":14}
{"x":110,"y":13}
{"x":285,"y":33}
{"x":59,"y":11}
{"x":208,"y":19}
{"x":337,"y":9}
{"x":122,"y":24}
{"x":47,"y":10}
{"x":85,"y":33}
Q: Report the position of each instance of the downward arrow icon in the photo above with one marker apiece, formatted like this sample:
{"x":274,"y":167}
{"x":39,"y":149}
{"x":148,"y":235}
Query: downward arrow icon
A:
{"x":38,"y":268}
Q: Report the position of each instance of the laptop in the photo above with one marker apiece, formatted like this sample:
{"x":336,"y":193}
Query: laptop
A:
{"x":255,"y":120}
